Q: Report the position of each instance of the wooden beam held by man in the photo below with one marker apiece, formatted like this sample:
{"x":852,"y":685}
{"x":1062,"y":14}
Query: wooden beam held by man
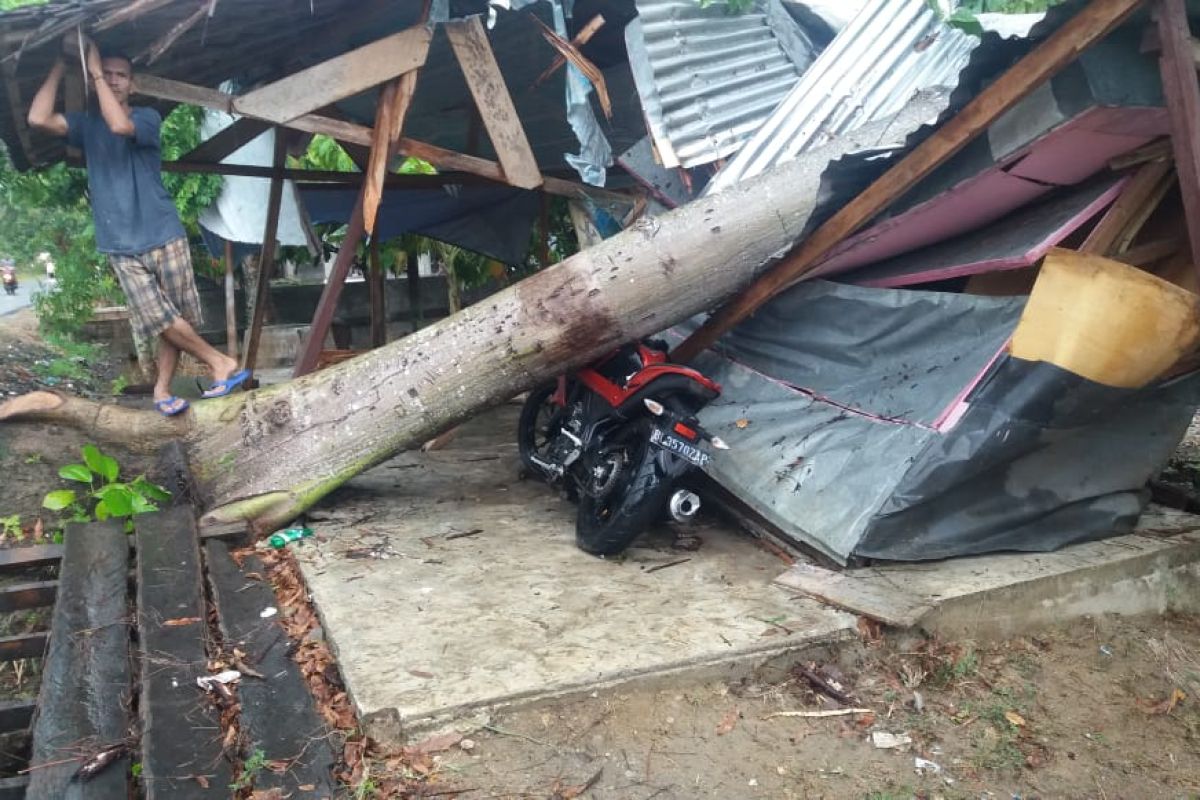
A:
{"x":1182,"y":94}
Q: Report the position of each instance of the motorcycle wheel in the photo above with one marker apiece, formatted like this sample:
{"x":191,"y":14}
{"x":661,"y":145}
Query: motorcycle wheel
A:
{"x":538,"y":427}
{"x":606,"y":525}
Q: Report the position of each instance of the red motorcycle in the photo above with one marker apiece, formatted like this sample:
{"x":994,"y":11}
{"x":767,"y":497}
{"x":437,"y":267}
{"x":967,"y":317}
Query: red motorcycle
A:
{"x":618,"y":435}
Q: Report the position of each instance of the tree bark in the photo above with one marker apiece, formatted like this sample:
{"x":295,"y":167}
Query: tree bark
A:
{"x":266,"y":456}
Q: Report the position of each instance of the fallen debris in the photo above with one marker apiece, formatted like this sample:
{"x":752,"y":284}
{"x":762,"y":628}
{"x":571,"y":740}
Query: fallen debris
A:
{"x":835,"y":712}
{"x":889,"y":741}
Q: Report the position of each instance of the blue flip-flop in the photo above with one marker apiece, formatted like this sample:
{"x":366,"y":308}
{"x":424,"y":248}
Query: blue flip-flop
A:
{"x":171,"y":406}
{"x":222,"y":388}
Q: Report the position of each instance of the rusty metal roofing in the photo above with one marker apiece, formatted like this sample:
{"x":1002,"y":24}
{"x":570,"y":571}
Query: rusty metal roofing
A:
{"x":708,"y":79}
{"x":892,"y":50}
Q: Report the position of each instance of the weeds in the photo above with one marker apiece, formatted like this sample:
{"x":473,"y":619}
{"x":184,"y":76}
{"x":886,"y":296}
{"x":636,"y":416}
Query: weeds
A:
{"x":106,"y":496}
{"x":251,"y":769}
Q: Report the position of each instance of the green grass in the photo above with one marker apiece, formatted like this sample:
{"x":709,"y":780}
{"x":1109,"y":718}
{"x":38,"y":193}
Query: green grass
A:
{"x":951,"y":672}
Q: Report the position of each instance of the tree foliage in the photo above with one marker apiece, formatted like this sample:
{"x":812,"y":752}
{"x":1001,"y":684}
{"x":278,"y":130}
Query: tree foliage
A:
{"x":192,"y":191}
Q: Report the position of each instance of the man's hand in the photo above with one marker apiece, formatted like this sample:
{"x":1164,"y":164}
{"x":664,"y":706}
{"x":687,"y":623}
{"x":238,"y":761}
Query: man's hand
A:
{"x":94,"y":68}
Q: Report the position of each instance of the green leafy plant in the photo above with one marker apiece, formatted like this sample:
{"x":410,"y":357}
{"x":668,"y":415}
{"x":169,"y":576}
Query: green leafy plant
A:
{"x":106,"y":496}
{"x":118,"y":385}
{"x":250,"y":771}
{"x":10,"y":528}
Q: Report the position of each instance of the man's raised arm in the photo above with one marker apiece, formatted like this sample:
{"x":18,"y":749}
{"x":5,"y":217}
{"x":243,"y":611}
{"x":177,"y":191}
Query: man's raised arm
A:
{"x":41,"y":111}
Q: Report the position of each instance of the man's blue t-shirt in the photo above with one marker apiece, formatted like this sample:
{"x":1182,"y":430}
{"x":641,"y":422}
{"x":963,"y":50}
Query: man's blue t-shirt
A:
{"x":131,"y":208}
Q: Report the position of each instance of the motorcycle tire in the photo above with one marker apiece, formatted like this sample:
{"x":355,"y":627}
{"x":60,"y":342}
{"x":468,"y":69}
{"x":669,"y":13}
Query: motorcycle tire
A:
{"x":535,"y":429}
{"x":606,"y":526}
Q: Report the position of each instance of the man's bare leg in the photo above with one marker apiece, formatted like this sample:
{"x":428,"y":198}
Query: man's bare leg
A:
{"x":184,"y":337}
{"x":167,"y":359}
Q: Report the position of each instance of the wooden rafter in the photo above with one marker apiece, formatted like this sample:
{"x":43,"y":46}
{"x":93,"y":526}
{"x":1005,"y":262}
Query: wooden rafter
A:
{"x":16,"y":103}
{"x":1089,"y":25}
{"x":227,"y":141}
{"x":395,"y":101}
{"x":484,"y":79}
{"x":1141,"y":191}
{"x":579,"y":40}
{"x":338,"y":78}
{"x":164,"y":42}
{"x":352,"y":132}
{"x":127,"y":13}
{"x":1183,"y":108}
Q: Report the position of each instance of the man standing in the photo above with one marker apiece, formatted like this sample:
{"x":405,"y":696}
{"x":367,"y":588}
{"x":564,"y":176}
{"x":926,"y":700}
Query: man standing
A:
{"x":136,"y":223}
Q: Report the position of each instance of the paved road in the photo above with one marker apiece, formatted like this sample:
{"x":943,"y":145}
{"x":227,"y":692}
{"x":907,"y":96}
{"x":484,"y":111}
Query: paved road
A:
{"x":20,"y":300}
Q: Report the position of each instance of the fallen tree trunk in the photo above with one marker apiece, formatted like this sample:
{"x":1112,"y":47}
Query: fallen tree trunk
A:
{"x":266,"y":456}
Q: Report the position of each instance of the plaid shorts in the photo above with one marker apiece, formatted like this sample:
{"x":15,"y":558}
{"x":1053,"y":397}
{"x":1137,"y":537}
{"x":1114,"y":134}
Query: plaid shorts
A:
{"x":159,"y":286}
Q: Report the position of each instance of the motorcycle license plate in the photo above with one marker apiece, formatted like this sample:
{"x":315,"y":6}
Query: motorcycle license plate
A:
{"x":673,"y":444}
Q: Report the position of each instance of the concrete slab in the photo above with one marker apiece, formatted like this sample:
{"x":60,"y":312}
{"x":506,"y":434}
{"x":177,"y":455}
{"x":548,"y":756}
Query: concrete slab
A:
{"x":1153,"y":570}
{"x":448,"y":587}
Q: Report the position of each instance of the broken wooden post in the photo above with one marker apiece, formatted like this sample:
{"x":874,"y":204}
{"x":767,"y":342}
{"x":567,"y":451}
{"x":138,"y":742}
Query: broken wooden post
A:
{"x":267,"y":261}
{"x":1088,"y":26}
{"x":1183,"y":108}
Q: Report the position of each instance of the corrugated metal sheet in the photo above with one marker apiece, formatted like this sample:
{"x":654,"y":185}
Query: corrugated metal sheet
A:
{"x":892,"y":50}
{"x":708,"y":79}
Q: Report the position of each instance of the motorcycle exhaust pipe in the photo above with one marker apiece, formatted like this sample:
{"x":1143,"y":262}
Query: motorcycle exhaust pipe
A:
{"x":684,"y":505}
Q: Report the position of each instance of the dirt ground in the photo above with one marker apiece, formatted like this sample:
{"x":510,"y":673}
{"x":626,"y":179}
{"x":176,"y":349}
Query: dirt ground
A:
{"x":1106,"y":708}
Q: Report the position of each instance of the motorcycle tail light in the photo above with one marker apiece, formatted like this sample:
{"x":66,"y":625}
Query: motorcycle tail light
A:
{"x":685,"y":431}
{"x":655,"y":407}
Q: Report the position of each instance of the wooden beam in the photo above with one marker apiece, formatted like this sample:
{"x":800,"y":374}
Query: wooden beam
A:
{"x":164,"y":42}
{"x":227,"y":141}
{"x":338,"y":78}
{"x":1089,"y":25}
{"x":15,"y":715}
{"x":16,"y":105}
{"x":486,"y":82}
{"x":579,"y":40}
{"x":22,"y":596}
{"x":412,"y":277}
{"x":1183,"y":108}
{"x":378,"y":296}
{"x":395,"y":101}
{"x":180,"y":92}
{"x":1133,"y":198}
{"x":310,"y":351}
{"x":178,"y":736}
{"x":16,"y":559}
{"x":267,"y":260}
{"x":27,"y":645}
{"x":127,"y":13}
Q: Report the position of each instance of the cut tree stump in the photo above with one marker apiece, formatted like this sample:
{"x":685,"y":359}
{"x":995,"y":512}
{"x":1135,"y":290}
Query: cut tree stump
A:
{"x":278,"y":715}
{"x":181,"y":735}
{"x":84,"y":697}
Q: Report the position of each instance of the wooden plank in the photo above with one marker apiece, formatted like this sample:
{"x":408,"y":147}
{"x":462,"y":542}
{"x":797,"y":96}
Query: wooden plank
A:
{"x":23,"y":596}
{"x":278,"y":715}
{"x":1137,"y":194}
{"x":1183,"y":107}
{"x":82,"y":703}
{"x":395,"y":101}
{"x":26,"y":645}
{"x":412,"y":276}
{"x":15,"y":559}
{"x":338,"y":78}
{"x":181,"y":735}
{"x":14,"y":788}
{"x":887,"y":602}
{"x":1089,"y":25}
{"x":180,"y":92}
{"x":15,"y":715}
{"x":486,"y":82}
{"x":314,"y":342}
{"x":227,"y":141}
{"x":266,"y":263}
